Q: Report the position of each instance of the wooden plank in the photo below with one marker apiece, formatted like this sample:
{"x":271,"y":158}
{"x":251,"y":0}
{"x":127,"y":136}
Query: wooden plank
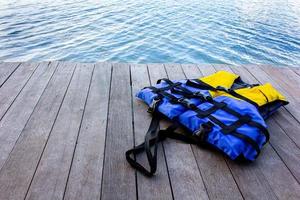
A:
{"x":296,"y":70}
{"x":217,"y":177}
{"x":184,"y":173}
{"x":249,"y":178}
{"x":269,"y":158}
{"x":289,"y":124}
{"x":287,"y":79}
{"x":6,"y":69}
{"x":285,"y":147}
{"x":158,"y":187}
{"x":16,"y":174}
{"x":191,"y":71}
{"x":86,"y":172}
{"x":16,"y":118}
{"x":52,"y":172}
{"x":14,"y":85}
{"x":118,"y":177}
{"x":285,"y":187}
{"x":222,"y":67}
{"x":206,"y":69}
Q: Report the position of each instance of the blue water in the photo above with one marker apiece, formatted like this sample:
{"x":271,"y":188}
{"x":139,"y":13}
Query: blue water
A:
{"x":151,"y":31}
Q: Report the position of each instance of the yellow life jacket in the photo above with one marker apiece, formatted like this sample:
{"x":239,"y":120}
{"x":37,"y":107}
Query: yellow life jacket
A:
{"x":261,"y":95}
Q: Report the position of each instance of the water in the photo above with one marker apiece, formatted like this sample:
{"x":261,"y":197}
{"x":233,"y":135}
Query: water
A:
{"x":151,"y":31}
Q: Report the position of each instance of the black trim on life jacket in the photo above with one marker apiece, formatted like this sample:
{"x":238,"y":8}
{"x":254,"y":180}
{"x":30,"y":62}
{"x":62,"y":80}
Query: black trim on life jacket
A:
{"x":153,"y":136}
{"x":239,"y":84}
{"x":197,"y":83}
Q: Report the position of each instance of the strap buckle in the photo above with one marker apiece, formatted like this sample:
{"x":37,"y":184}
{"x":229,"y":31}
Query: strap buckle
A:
{"x":208,"y":98}
{"x":153,"y":105}
{"x":199,"y":94}
{"x":187,"y":103}
{"x":203,"y":131}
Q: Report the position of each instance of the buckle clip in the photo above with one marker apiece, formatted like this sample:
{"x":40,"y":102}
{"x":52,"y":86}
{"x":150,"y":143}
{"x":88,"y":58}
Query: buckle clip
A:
{"x":208,"y":98}
{"x":203,"y":131}
{"x":187,"y":103}
{"x":199,"y":94}
{"x":153,"y":105}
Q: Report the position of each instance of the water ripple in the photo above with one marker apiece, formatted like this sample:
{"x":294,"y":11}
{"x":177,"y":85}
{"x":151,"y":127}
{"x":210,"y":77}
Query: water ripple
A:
{"x":189,"y":31}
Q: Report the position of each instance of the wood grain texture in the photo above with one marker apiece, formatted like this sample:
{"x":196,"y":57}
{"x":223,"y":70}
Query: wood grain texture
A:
{"x":86,"y":172}
{"x":16,"y":174}
{"x":118,"y":177}
{"x":296,"y":70}
{"x":217,"y":177}
{"x":14,"y":85}
{"x":17,"y":116}
{"x":157,"y":187}
{"x":269,"y":158}
{"x":51,"y":175}
{"x":184,"y":173}
{"x":6,"y":69}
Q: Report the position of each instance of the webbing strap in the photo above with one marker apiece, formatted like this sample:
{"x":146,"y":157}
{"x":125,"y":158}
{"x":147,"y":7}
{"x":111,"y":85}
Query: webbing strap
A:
{"x":149,"y":142}
{"x":197,"y":83}
{"x":152,"y":138}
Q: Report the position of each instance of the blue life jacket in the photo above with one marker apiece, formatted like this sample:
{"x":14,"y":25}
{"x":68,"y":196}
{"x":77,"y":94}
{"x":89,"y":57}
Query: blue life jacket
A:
{"x":228,"y":119}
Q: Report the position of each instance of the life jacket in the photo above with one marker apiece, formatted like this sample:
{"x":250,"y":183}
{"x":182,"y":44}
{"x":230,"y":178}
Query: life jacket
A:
{"x":220,"y":111}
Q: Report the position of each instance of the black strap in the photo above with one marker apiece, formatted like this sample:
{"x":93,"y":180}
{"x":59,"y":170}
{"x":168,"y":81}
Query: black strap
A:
{"x":197,"y":83}
{"x":151,"y":139}
{"x":153,"y":136}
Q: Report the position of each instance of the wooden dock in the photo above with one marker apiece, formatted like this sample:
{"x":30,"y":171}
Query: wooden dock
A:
{"x":65,"y":127}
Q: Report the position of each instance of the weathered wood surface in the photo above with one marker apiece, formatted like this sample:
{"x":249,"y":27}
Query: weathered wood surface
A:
{"x":51,"y":174}
{"x":64,"y":128}
{"x":159,"y":187}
